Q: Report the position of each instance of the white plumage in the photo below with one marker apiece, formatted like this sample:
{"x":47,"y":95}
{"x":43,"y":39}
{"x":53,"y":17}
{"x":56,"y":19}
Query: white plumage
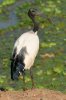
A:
{"x":30,"y":40}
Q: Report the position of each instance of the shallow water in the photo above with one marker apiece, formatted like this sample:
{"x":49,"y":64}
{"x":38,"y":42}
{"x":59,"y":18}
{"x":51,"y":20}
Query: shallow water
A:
{"x":1,"y":1}
{"x":10,"y":22}
{"x":12,"y":18}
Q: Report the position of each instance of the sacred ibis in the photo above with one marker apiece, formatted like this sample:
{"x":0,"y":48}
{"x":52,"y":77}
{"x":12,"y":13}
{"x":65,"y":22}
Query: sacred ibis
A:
{"x":25,"y":49}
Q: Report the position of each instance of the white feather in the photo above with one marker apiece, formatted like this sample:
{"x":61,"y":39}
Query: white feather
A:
{"x":29,"y":40}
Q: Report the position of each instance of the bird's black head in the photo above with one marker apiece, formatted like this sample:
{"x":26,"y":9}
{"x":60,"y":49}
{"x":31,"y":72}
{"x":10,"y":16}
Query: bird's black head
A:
{"x":33,"y":12}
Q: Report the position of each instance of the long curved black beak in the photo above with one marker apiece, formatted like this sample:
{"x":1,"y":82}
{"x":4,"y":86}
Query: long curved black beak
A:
{"x":45,"y":17}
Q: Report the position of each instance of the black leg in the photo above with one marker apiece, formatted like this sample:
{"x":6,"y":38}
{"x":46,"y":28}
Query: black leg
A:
{"x":32,"y":78}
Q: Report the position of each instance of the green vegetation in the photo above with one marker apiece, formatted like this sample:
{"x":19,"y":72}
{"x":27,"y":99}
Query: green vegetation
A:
{"x":50,"y":64}
{"x":7,"y":2}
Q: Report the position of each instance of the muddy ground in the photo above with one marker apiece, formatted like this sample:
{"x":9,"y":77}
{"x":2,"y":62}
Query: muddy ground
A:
{"x":32,"y":94}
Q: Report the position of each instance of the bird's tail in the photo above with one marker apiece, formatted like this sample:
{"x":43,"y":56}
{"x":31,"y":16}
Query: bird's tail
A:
{"x":13,"y":67}
{"x":19,"y":69}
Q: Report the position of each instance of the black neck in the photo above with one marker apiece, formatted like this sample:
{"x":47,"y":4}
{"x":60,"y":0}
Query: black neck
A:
{"x":36,"y":25}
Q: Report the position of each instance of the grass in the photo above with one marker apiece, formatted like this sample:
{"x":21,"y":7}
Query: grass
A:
{"x":50,"y":64}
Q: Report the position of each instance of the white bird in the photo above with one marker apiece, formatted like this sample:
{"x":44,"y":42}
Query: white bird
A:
{"x":25,"y":50}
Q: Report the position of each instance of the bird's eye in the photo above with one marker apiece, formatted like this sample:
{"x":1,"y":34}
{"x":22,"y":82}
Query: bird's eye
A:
{"x":33,"y":11}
